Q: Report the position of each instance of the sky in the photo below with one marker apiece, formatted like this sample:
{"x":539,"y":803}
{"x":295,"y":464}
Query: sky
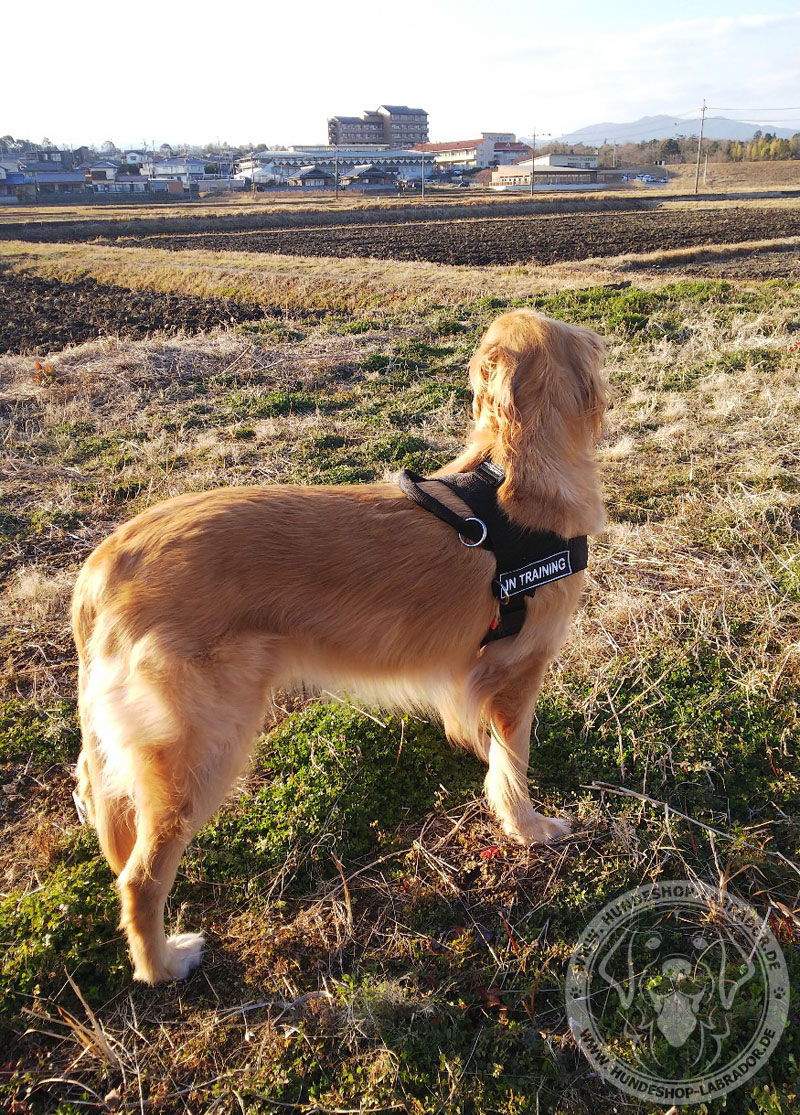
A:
{"x":159,"y":71}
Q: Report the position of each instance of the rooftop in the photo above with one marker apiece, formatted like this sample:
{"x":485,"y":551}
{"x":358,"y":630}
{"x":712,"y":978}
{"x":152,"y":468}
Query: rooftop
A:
{"x":403,"y":110}
{"x":456,"y":145}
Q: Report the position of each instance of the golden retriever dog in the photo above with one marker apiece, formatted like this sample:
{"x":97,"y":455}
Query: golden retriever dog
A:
{"x":187,"y":618}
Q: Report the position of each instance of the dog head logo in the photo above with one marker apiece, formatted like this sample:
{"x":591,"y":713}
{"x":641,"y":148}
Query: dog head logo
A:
{"x":677,"y":989}
{"x":677,"y":993}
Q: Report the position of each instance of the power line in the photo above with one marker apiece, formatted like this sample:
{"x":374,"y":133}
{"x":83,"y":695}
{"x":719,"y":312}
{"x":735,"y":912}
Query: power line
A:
{"x":756,"y":108}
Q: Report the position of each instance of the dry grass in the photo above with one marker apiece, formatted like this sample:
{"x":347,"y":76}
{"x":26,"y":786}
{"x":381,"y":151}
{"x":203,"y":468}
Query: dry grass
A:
{"x":290,"y":283}
{"x":246,"y":204}
{"x":728,"y":442}
{"x":424,"y":976}
{"x":737,"y":177}
{"x":380,"y":288}
{"x":233,"y":205}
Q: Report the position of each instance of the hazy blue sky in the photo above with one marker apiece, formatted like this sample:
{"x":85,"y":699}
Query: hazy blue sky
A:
{"x":272,"y":73}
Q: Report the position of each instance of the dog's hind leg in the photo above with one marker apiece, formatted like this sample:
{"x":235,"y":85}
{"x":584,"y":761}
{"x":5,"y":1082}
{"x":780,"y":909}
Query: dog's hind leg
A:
{"x":172,"y":805}
{"x":510,"y":716}
{"x":144,"y":884}
{"x":215,"y":712}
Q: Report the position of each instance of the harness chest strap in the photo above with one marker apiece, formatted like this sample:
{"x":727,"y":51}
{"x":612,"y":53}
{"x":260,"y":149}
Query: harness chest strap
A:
{"x":525,"y":558}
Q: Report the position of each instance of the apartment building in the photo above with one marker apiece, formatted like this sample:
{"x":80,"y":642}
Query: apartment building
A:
{"x":396,"y":126}
{"x":466,"y":153}
{"x":475,"y":154}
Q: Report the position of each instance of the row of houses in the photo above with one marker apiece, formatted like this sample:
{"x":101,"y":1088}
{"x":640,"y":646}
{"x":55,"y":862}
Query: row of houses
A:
{"x":368,"y":166}
{"x":375,"y":165}
{"x":55,"y":173}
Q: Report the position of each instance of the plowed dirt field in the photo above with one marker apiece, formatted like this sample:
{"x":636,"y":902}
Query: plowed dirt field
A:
{"x":504,"y":240}
{"x":39,"y":315}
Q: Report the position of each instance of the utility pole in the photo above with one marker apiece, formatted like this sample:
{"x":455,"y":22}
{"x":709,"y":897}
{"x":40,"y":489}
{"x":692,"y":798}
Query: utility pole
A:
{"x":423,"y":170}
{"x":699,"y":146}
{"x":533,"y":154}
{"x":336,"y":169}
{"x":533,"y":157}
{"x":705,"y":170}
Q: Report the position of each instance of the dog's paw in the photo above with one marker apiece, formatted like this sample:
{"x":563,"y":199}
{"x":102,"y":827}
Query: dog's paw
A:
{"x":182,"y":953}
{"x":185,"y":953}
{"x":538,"y":829}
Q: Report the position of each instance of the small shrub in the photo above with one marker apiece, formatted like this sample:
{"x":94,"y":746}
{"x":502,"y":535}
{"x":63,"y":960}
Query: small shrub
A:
{"x":284,"y":403}
{"x":68,"y":924}
{"x":376,"y":362}
{"x":398,"y":448}
{"x":41,"y":734}
{"x":336,"y":784}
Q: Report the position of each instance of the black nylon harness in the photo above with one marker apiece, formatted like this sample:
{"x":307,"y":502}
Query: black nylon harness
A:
{"x":525,"y":558}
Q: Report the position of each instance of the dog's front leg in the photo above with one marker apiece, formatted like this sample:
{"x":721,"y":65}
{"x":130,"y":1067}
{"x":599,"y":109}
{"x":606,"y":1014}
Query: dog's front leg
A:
{"x":510,"y":722}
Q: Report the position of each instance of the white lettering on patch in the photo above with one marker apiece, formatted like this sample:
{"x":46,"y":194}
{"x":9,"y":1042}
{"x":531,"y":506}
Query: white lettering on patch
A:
{"x":541,"y":572}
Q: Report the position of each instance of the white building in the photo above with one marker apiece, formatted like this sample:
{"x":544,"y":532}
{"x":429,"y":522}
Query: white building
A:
{"x":277,"y":167}
{"x":586,"y":161}
{"x":518,"y":175}
{"x":185,"y":168}
{"x":466,"y":153}
{"x":474,"y":154}
{"x":104,"y":170}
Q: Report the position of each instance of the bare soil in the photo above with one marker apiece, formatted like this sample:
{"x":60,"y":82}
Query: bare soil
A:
{"x":40,"y":315}
{"x":507,"y":240}
{"x":82,"y":229}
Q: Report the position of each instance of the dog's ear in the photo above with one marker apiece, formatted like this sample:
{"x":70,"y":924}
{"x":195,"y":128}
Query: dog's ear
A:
{"x":587,"y":353}
{"x":491,"y":373}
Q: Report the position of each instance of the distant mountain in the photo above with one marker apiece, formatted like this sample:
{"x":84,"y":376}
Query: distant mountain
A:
{"x":666,"y":127}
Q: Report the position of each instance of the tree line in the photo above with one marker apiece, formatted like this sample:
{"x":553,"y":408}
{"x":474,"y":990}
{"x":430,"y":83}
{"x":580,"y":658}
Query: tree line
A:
{"x":683,"y":149}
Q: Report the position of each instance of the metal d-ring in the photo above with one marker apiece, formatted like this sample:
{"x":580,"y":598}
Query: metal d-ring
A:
{"x":481,"y":540}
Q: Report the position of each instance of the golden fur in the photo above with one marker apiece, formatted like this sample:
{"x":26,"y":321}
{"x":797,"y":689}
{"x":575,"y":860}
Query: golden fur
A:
{"x":189,"y":616}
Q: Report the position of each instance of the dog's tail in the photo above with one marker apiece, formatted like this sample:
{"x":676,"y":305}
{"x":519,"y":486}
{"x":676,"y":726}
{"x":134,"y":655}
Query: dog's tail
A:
{"x":112,"y":815}
{"x":106,"y":808}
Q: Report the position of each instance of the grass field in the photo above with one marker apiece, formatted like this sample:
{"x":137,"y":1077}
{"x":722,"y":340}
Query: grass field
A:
{"x":374,"y":944}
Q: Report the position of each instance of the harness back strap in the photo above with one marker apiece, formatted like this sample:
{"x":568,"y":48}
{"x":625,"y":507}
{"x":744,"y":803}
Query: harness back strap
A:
{"x":525,"y":558}
{"x":408,"y":483}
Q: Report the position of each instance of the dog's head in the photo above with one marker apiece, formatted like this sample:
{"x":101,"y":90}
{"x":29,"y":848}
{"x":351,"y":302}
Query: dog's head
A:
{"x":538,"y":395}
{"x":530,"y":371}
